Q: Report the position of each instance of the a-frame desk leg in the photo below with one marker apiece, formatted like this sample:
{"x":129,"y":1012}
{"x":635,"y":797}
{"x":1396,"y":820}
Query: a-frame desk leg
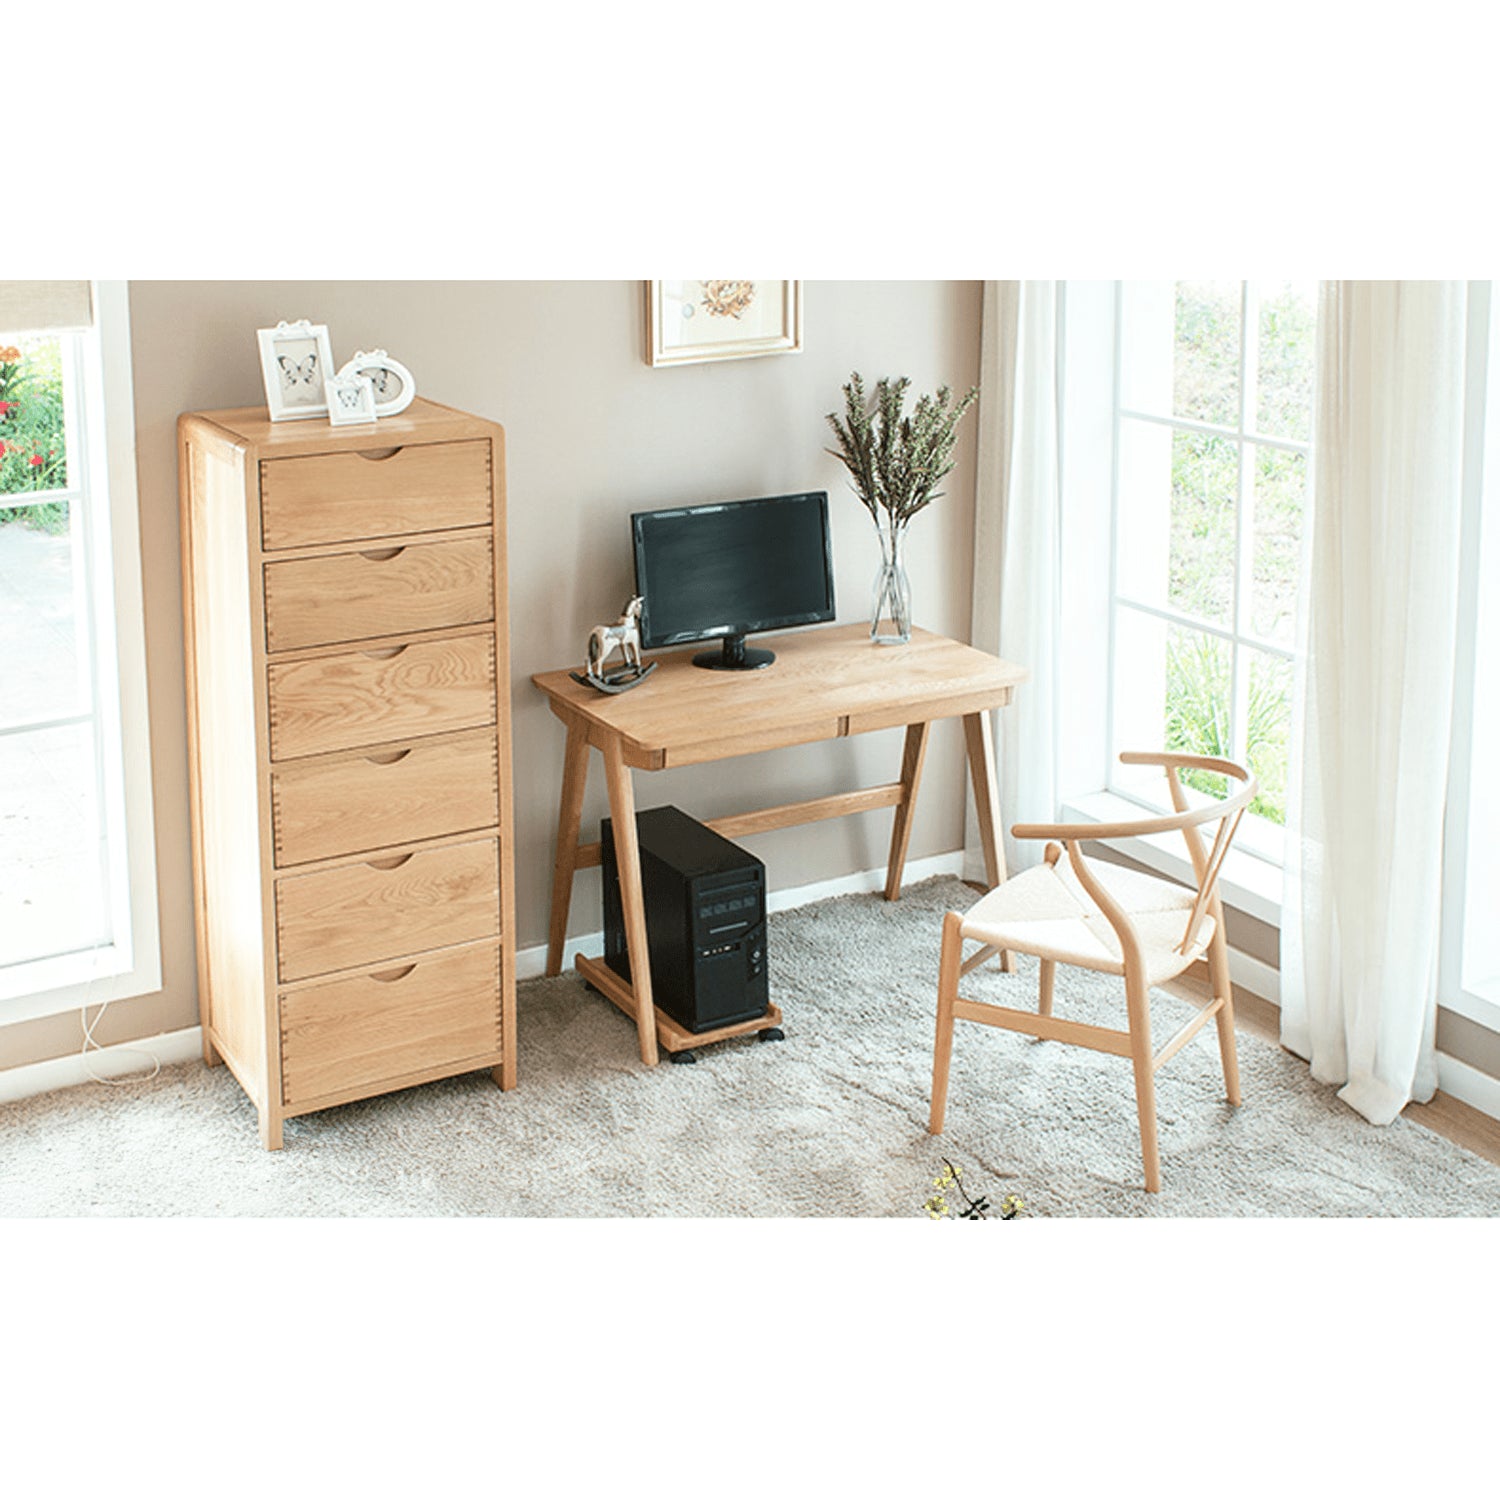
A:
{"x":569,"y":821}
{"x":632,"y":897}
{"x":628,"y":864}
{"x":980,"y":741}
{"x":911,"y":776}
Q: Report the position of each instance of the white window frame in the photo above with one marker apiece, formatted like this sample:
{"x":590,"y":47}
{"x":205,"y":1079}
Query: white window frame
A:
{"x":1257,"y":836}
{"x":129,"y":964}
{"x":1480,"y":545}
{"x":1088,"y":442}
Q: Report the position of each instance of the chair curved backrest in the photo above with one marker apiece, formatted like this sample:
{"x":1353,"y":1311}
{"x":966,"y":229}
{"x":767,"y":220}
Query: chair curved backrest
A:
{"x":1207,"y":864}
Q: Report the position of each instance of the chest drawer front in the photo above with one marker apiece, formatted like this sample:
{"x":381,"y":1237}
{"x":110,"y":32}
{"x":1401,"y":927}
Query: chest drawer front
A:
{"x":345,"y":497}
{"x":387,"y":908}
{"x":315,"y":601}
{"x":370,"y":697}
{"x":352,"y":1033}
{"x":399,"y":794}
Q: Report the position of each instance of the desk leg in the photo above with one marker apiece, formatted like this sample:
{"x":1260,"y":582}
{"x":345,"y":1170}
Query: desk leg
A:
{"x":569,"y":820}
{"x":980,"y":741}
{"x":911,"y":776}
{"x":632,"y":898}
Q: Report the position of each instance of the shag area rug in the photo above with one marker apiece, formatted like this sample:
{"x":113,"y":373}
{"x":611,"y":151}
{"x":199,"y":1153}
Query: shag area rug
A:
{"x":830,"y":1122}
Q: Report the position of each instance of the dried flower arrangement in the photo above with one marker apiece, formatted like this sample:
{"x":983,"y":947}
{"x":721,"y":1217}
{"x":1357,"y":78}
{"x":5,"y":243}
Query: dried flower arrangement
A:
{"x":938,"y":1206}
{"x":897,"y":461}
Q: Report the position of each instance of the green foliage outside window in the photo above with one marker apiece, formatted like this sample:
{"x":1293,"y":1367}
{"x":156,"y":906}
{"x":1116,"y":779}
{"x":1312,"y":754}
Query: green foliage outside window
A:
{"x":1206,"y":487}
{"x":33,"y":441}
{"x":1198,"y":700}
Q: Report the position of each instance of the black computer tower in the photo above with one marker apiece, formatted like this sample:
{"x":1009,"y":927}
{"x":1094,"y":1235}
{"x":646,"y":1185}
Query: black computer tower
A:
{"x":705,"y":920}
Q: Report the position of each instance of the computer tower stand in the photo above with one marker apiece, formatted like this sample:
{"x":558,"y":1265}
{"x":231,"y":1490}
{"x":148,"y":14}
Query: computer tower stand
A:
{"x":679,"y":1044}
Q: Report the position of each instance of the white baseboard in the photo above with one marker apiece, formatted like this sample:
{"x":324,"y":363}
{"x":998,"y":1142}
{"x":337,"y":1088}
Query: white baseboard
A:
{"x":108,"y":1062}
{"x":1468,"y":1085}
{"x":1253,"y":975}
{"x":531,"y":963}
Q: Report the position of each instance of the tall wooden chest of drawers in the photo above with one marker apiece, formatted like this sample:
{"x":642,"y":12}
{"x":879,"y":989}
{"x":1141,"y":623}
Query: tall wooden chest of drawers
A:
{"x":348,"y":686}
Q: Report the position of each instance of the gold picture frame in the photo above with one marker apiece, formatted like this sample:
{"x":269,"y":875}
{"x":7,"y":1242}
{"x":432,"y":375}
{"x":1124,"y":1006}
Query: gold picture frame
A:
{"x":692,"y":322}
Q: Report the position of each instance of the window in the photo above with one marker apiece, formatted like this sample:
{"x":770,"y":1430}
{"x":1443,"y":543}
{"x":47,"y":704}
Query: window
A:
{"x":77,"y":880}
{"x":1213,"y":454}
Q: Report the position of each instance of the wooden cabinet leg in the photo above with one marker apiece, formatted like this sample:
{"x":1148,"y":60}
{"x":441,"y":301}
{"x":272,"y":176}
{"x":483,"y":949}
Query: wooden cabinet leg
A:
{"x":911,"y":776}
{"x":270,"y":1129}
{"x":211,"y":1056}
{"x":569,"y":820}
{"x":632,"y":898}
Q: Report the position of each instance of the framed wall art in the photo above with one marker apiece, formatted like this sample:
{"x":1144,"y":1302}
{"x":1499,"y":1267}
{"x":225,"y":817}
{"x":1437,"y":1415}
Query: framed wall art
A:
{"x":688,"y":322}
{"x":295,"y":362}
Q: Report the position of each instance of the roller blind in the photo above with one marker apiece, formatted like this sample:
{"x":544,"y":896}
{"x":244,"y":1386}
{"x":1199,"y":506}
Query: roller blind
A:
{"x":37,"y":306}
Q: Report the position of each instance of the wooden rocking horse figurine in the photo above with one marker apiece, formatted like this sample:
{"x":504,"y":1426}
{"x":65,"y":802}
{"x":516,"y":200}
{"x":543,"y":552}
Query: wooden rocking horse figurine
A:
{"x":623,"y":636}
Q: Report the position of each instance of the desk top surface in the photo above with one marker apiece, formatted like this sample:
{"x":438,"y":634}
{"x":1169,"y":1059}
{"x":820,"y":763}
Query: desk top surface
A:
{"x":825,"y":682}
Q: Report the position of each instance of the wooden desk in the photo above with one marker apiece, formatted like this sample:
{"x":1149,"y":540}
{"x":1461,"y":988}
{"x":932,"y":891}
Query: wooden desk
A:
{"x":825,"y":683}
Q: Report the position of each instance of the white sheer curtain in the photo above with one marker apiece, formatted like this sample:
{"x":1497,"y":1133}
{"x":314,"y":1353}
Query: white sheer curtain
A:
{"x":1369,"y":767}
{"x":1015,"y":604}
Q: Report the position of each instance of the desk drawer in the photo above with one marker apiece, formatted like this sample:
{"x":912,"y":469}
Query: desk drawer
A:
{"x":315,"y":601}
{"x":385,"y":908}
{"x":397,"y":794}
{"x":346,"y":497}
{"x":352,"y":1034}
{"x":372,"y":697}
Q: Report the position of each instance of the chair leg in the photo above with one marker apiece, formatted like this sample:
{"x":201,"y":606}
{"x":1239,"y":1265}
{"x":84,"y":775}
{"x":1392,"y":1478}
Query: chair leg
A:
{"x":942,"y":1047}
{"x":1218,"y":971}
{"x":1145,"y":1079}
{"x":1049,"y":969}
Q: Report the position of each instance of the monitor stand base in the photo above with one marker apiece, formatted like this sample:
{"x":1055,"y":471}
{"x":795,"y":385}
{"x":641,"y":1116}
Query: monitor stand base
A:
{"x":734,"y":656}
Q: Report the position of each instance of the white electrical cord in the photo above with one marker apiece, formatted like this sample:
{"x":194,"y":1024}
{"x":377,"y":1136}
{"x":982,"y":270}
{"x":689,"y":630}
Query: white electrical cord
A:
{"x":91,"y":1045}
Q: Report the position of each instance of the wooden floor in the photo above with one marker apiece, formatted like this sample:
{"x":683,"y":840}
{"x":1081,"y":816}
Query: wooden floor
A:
{"x":1460,"y":1123}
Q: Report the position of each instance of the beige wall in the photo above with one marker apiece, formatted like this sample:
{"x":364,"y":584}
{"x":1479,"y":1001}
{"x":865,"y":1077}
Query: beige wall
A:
{"x":593,"y":433}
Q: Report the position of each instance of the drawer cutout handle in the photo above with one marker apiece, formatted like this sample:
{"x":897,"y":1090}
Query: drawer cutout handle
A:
{"x":389,"y":758}
{"x":394,"y":863}
{"x":385,"y":653}
{"x":379,"y":455}
{"x":393,"y":976}
{"x":384,"y":554}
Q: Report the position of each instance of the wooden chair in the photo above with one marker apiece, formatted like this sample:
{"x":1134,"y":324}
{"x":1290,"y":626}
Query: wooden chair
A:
{"x":1101,"y":916}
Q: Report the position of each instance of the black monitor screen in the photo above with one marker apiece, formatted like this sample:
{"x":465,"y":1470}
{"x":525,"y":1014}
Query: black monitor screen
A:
{"x":749,"y":565}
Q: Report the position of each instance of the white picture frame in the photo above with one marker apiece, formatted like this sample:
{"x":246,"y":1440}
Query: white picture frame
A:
{"x":691,"y":322}
{"x":351,"y":399}
{"x":392,"y":381}
{"x":296,"y":360}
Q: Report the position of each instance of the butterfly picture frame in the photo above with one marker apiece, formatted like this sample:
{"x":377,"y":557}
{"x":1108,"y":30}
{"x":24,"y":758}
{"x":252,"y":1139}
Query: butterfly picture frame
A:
{"x":392,"y":381}
{"x":351,"y":399}
{"x":296,"y":362}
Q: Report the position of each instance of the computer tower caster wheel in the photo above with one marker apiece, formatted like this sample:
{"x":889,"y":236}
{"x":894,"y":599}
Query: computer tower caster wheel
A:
{"x":683,"y":1057}
{"x":772,"y":1034}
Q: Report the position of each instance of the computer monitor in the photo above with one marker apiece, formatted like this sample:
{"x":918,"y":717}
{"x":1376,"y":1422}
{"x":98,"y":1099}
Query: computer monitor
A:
{"x":731,"y":570}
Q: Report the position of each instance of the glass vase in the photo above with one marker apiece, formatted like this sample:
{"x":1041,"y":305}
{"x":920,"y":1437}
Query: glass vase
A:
{"x":890,"y":606}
